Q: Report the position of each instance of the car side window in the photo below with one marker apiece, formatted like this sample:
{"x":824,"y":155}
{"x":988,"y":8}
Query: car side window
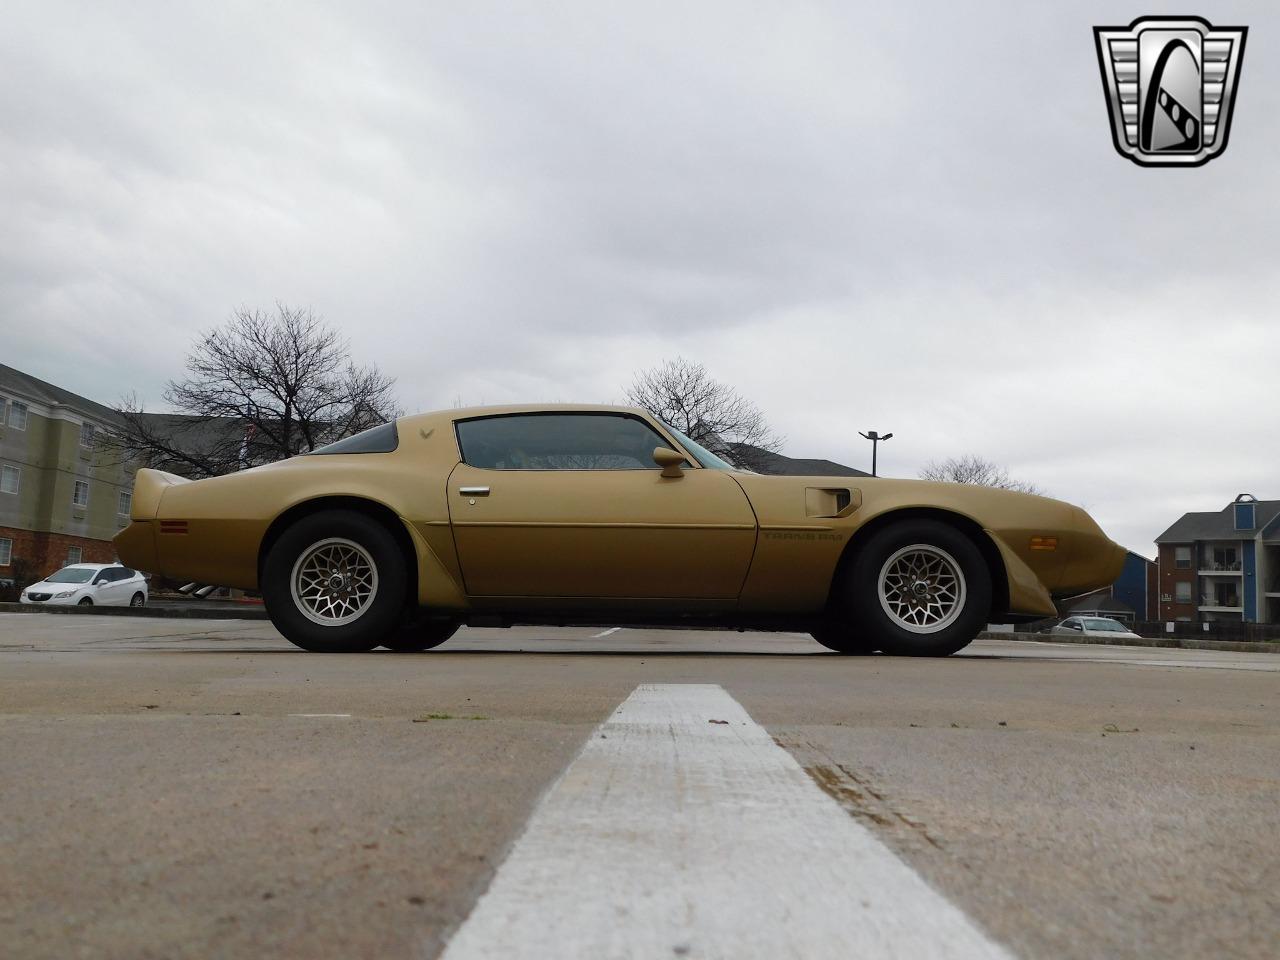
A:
{"x":559,"y":441}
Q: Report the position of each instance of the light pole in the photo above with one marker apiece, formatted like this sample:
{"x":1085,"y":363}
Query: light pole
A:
{"x":875,"y":439}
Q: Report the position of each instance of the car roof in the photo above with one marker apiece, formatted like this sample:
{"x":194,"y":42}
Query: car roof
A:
{"x":466,"y":413}
{"x":91,"y":566}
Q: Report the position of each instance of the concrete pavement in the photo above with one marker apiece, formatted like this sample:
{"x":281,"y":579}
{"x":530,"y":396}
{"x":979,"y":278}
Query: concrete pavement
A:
{"x":194,"y":789}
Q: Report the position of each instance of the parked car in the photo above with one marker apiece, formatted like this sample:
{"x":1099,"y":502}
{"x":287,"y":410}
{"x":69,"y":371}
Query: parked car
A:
{"x":98,"y":584}
{"x":1091,"y":627}
{"x":559,"y":514}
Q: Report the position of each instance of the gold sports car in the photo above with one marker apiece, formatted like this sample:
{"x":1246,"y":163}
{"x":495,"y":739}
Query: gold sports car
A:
{"x":562,"y":514}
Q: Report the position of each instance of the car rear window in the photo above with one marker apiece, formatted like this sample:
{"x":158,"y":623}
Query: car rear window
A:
{"x":383,"y":438}
{"x":1106,"y":626}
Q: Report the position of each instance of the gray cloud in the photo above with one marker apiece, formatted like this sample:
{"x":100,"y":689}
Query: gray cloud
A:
{"x":906,"y":217}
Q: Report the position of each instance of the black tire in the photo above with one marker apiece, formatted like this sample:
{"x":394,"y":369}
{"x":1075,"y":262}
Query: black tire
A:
{"x":842,"y":636}
{"x":85,"y":602}
{"x":861,"y":604}
{"x":373,"y":619}
{"x":421,"y":634}
{"x":137,"y":600}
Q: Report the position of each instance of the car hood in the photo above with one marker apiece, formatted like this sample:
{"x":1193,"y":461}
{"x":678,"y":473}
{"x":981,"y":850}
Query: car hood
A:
{"x":44,"y":586}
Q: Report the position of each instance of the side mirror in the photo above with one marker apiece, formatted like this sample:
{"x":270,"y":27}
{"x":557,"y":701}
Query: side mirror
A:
{"x":669,"y":461}
{"x":100,"y":581}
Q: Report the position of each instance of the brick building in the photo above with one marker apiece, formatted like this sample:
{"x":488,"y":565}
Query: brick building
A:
{"x":63,"y":496}
{"x":1223,"y":565}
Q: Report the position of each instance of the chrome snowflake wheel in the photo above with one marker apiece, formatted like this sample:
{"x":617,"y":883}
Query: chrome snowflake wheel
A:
{"x":922,"y":588}
{"x":334,"y":582}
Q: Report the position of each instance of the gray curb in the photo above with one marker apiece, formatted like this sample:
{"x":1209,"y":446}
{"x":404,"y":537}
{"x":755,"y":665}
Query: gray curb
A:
{"x":1185,"y":643}
{"x":246,"y":611}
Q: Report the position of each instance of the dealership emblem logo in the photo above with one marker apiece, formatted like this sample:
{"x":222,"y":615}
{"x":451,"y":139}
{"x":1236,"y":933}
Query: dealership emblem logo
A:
{"x":1170,"y":84}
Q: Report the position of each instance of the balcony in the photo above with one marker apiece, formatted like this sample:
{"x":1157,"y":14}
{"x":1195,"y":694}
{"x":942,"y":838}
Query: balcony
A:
{"x":1224,"y":603}
{"x":1209,"y":568}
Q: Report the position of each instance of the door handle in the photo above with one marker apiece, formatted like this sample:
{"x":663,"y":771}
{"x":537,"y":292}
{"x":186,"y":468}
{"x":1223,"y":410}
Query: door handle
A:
{"x":473,"y":491}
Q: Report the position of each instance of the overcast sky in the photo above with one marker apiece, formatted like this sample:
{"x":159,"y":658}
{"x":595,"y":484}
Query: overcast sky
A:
{"x":902,"y":217}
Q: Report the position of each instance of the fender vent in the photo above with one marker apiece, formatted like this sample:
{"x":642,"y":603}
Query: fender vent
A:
{"x":831,"y":501}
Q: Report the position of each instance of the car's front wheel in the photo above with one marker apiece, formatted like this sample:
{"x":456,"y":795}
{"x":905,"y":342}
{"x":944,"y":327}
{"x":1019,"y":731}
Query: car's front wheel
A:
{"x":917,"y":588}
{"x":85,"y":602}
{"x":335,"y":582}
{"x":843,"y":636}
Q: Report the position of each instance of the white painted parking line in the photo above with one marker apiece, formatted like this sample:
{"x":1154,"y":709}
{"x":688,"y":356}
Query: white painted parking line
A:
{"x":683,"y":830}
{"x":319,"y":714}
{"x":605,"y":633}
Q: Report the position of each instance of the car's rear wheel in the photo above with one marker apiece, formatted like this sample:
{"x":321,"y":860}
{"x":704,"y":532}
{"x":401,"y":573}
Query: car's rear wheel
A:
{"x":137,"y":600}
{"x":918,"y":588}
{"x":335,"y":582}
{"x":421,"y":634}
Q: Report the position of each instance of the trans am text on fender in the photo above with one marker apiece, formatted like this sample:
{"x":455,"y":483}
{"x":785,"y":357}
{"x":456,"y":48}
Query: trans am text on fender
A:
{"x":558,"y":514}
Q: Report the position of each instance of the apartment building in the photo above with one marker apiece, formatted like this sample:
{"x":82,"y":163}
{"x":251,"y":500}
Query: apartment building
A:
{"x":63,"y":494}
{"x":1223,"y":565}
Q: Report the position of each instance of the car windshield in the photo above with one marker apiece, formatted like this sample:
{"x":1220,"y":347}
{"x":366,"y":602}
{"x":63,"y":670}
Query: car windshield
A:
{"x":1106,"y":626}
{"x":72,"y":575}
{"x":700,"y":453}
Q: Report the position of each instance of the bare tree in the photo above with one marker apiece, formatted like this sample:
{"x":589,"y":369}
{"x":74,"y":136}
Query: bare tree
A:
{"x":971,"y":468}
{"x":260,"y":388}
{"x":707,"y":411}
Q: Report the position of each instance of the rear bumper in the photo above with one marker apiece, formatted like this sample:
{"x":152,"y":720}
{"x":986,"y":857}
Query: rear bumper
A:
{"x":136,"y":546}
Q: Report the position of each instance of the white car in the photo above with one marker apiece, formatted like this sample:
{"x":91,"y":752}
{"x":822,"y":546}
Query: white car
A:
{"x":1092,"y":627}
{"x":101,"y":584}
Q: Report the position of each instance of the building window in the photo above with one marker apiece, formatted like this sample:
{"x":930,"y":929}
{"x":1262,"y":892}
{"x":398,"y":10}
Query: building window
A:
{"x":1244,"y":516}
{"x":1182,"y":558}
{"x":80,"y":496}
{"x":86,"y":434}
{"x":1182,"y":591}
{"x":74,"y":555}
{"x":9,"y":479}
{"x":6,"y":552}
{"x":17,"y":415}
{"x":126,"y":503}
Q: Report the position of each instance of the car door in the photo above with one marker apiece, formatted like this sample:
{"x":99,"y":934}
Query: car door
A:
{"x":100,"y":584}
{"x":571,"y":504}
{"x":109,"y":592}
{"x":124,"y":587}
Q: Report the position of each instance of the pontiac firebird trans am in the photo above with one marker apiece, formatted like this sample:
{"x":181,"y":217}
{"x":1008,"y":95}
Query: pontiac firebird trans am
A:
{"x":562,"y":514}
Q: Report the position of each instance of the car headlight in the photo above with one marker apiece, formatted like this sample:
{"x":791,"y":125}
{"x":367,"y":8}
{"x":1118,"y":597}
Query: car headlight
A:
{"x":63,"y":595}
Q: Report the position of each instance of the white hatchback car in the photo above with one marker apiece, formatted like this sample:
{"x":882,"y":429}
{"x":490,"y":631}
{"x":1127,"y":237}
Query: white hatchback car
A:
{"x":102,"y":584}
{"x":1092,"y":627}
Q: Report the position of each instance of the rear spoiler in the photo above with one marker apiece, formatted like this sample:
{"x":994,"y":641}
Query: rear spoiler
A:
{"x":148,"y":487}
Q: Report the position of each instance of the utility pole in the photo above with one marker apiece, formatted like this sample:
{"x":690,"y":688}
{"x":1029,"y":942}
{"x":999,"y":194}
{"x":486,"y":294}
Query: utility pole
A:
{"x":875,"y":439}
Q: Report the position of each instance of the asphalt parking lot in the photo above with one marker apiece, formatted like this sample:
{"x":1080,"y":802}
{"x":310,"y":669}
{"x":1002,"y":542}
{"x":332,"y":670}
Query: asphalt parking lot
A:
{"x":187,"y":788}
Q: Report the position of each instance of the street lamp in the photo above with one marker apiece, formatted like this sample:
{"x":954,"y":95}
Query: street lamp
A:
{"x":875,"y":439}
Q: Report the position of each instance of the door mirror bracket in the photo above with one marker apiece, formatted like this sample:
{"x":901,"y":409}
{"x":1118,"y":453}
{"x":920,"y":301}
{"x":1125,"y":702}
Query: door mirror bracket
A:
{"x":669,"y":461}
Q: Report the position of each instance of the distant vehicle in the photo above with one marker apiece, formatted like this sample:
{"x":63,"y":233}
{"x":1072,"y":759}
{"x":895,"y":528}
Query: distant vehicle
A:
{"x":1091,"y":627}
{"x":90,"y":584}
{"x":561,"y":514}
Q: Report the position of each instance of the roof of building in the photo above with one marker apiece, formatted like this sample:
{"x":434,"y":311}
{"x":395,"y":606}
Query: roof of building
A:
{"x":1095,"y":603}
{"x":765,"y":461}
{"x":1221,"y":524}
{"x":32,"y":388}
